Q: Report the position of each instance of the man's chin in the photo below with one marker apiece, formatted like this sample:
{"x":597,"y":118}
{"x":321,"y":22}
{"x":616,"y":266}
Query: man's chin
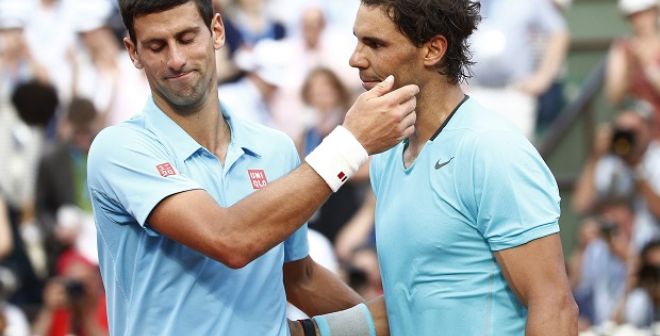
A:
{"x":369,"y":85}
{"x":184,"y":104}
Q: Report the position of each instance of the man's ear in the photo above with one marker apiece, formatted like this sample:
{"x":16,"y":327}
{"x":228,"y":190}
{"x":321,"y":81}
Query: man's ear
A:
{"x":218,"y":31}
{"x":132,"y":52}
{"x":436,"y":48}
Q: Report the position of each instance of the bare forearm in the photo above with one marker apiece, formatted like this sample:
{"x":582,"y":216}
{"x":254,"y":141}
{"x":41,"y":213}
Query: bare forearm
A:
{"x":316,"y":290}
{"x":268,"y":217}
{"x":241,"y":233}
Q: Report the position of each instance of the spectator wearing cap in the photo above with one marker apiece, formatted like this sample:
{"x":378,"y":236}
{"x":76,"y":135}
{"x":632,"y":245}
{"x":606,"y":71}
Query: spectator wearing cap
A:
{"x":633,"y":68}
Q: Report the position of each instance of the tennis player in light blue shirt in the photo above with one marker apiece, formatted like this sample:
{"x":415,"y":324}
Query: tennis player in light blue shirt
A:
{"x":440,"y":220}
{"x":199,"y":230}
{"x":467,"y":212}
{"x":156,"y":286}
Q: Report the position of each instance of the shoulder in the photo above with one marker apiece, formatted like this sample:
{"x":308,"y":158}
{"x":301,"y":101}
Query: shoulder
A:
{"x":123,"y":142}
{"x":487,"y":142}
{"x":125,"y":134}
{"x":481,"y":128}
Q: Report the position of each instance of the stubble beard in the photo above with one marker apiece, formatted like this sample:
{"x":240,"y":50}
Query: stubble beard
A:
{"x":190,"y":100}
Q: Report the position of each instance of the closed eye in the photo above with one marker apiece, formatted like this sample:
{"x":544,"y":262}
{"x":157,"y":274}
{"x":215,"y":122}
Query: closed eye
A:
{"x":373,"y":43}
{"x":156,"y":47}
{"x":188,"y":36}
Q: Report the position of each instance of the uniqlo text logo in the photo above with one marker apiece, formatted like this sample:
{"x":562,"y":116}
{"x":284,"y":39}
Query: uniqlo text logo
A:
{"x":258,"y":178}
{"x":165,"y":169}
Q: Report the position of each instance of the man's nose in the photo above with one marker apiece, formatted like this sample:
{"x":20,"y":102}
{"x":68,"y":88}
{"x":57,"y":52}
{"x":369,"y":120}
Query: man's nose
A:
{"x":176,"y":59}
{"x":357,"y":60}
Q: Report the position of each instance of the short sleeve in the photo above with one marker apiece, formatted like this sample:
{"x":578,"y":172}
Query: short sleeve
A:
{"x":134,"y":171}
{"x":296,"y":246}
{"x":515,"y":198}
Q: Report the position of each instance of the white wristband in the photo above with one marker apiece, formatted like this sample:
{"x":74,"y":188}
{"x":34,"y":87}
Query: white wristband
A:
{"x":338,"y":157}
{"x":355,"y":321}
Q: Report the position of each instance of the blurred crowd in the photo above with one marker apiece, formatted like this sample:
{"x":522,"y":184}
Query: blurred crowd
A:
{"x":65,"y":75}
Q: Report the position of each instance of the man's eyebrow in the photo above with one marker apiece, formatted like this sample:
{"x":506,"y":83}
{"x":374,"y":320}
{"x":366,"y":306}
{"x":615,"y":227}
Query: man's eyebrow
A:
{"x":177,"y":35}
{"x":373,"y":40}
{"x":187,"y":31}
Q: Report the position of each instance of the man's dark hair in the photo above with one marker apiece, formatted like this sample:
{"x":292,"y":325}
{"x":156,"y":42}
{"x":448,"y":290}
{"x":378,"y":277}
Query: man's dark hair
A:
{"x":421,"y":20}
{"x":131,"y":9}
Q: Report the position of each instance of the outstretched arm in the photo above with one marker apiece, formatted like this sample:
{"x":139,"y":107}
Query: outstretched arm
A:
{"x":238,"y":234}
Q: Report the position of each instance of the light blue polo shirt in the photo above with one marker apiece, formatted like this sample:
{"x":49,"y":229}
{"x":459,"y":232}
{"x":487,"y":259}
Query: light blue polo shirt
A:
{"x":156,"y":286}
{"x":477,"y":188}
